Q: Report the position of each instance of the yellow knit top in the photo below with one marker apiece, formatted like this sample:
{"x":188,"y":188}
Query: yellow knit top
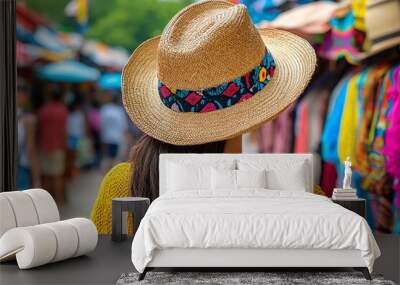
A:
{"x":116,"y":183}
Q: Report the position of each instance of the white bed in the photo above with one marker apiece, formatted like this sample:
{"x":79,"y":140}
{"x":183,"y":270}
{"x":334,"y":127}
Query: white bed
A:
{"x":250,"y":227}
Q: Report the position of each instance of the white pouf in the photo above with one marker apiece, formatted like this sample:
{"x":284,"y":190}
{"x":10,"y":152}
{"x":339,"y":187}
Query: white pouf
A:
{"x":87,"y":235}
{"x":23,"y":209}
{"x":26,"y":208}
{"x":46,"y":207}
{"x":40,"y":244}
{"x":7,"y":220}
{"x":31,"y":230}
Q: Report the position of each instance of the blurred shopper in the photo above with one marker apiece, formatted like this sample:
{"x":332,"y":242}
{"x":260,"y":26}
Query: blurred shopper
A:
{"x":52,"y":121}
{"x":76,"y":131}
{"x":94,"y":120}
{"x":28,"y":164}
{"x":113,"y":129}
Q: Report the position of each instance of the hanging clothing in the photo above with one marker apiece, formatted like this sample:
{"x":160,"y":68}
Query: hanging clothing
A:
{"x":367,"y":98}
{"x":329,"y":177}
{"x":378,"y":180}
{"x":392,"y":136}
{"x":392,"y":147}
{"x":348,"y":124}
{"x":318,"y":109}
{"x":357,"y":125}
{"x":266,"y":138}
{"x":331,"y":129}
{"x":377,"y":177}
{"x":301,"y":142}
{"x":274,"y":135}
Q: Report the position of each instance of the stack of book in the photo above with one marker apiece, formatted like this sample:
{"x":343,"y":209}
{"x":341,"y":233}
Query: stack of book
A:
{"x":344,"y":194}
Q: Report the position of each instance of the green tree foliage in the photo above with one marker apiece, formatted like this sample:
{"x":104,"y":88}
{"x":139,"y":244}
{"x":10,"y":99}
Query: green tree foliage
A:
{"x":130,"y":22}
{"x":52,"y":10}
{"x":124,"y":23}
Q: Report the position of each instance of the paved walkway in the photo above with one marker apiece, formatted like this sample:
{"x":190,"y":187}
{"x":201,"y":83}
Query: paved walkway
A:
{"x":80,"y":194}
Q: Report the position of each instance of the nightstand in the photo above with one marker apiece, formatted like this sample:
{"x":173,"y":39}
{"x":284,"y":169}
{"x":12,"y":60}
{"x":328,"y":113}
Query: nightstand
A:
{"x":136,"y":205}
{"x":356,"y":205}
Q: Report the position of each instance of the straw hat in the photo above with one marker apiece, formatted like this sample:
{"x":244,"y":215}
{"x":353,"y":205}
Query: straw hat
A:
{"x":382,"y":22}
{"x":212,"y":75}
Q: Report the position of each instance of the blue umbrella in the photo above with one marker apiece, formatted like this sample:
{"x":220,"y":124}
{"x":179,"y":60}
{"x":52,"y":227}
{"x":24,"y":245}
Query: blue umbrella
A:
{"x":68,"y":71}
{"x":24,"y":35}
{"x":110,"y":81}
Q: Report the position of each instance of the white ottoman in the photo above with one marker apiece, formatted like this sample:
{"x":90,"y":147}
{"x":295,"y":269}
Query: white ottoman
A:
{"x":31,"y":230}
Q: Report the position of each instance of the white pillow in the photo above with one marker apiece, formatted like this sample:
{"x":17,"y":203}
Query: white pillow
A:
{"x":237,"y":179}
{"x":223,"y":179}
{"x":285,"y":174}
{"x":183,"y":177}
{"x":251,"y":178}
{"x":200,"y":160}
{"x":291,"y":180}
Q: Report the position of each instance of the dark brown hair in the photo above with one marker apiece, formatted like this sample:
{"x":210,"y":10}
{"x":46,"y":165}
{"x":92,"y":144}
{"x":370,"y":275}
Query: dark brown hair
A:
{"x":144,"y":157}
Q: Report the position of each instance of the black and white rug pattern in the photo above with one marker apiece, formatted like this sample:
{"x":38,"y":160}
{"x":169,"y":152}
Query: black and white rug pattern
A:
{"x":269,"y":278}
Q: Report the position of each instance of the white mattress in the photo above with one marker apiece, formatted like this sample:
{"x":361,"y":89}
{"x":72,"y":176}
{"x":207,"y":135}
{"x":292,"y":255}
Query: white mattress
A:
{"x":250,"y":219}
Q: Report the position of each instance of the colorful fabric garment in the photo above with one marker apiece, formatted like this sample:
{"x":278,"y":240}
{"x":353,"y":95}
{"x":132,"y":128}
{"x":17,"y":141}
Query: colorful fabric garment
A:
{"x":301,"y":141}
{"x":283,"y":138}
{"x":392,"y":147}
{"x":344,"y":40}
{"x":364,"y":94}
{"x":376,"y":160}
{"x":359,"y":8}
{"x":263,"y":10}
{"x":330,"y":133}
{"x":349,"y":122}
{"x":392,"y":136}
{"x":222,"y":96}
{"x":366,"y":101}
{"x":377,"y":180}
{"x":274,"y":136}
{"x":318,"y":99}
{"x":367,"y":97}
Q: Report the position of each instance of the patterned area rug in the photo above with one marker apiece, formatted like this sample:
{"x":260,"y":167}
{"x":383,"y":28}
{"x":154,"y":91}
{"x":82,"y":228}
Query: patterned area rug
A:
{"x":270,"y":278}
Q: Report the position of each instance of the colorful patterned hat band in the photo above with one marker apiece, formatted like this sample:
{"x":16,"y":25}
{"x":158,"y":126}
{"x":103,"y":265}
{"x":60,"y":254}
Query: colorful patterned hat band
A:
{"x":223,"y":95}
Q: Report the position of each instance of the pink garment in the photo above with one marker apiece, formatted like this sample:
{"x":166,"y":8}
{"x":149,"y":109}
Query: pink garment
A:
{"x":392,"y":136}
{"x":266,"y":142}
{"x":276,"y":135}
{"x":301,"y":142}
{"x":314,"y":120}
{"x":283,"y":131}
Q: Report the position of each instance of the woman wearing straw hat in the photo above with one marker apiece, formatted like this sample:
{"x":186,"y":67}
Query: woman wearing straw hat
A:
{"x":209,"y":77}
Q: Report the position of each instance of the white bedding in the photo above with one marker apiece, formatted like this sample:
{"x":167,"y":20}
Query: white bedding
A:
{"x":252,"y":218}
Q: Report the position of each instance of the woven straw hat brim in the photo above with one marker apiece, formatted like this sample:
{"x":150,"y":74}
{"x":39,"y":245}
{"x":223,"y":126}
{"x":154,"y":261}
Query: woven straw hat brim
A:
{"x":380,"y":47}
{"x":295,"y":63}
